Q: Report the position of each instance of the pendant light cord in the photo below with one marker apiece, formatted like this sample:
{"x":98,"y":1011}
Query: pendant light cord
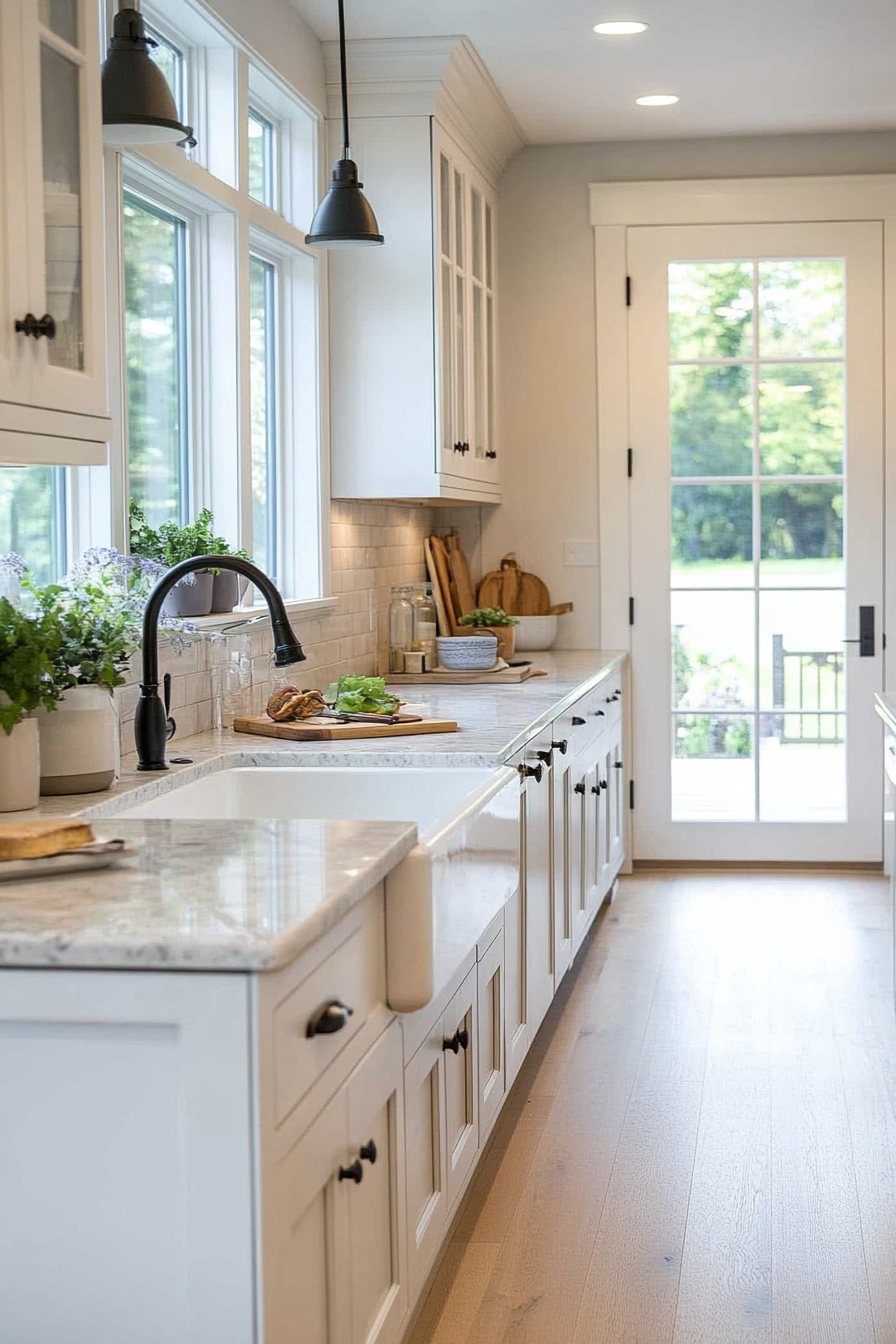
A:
{"x":346,"y":151}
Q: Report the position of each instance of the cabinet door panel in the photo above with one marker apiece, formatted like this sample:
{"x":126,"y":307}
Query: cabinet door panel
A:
{"x":538,"y":887}
{"x":427,"y":1199}
{"x":305,"y":1298}
{"x":376,"y":1205}
{"x":584,"y":893}
{"x":616,"y":819}
{"x":461,"y":1086}
{"x":567,"y":859}
{"x":516,"y":1029}
{"x":490,"y":977}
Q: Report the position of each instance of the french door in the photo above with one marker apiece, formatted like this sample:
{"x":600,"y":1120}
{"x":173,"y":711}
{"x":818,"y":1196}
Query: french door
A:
{"x":756,"y":384}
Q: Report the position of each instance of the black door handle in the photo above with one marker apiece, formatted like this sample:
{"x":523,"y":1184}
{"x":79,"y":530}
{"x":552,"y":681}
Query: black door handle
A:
{"x":331,"y":1016}
{"x":865,"y":640}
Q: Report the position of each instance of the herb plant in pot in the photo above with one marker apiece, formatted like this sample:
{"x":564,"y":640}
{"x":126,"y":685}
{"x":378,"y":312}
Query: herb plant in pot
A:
{"x":197,"y":594}
{"x":95,"y":615}
{"x":27,"y":647}
{"x":492,"y":621}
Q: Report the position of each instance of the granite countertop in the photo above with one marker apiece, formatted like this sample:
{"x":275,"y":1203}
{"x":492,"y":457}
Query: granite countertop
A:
{"x":252,"y":895}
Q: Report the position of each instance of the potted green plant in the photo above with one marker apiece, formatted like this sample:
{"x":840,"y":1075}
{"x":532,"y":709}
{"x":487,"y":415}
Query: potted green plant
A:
{"x":27,"y":647}
{"x":496,"y":622}
{"x":197,"y":594}
{"x":95,"y":614}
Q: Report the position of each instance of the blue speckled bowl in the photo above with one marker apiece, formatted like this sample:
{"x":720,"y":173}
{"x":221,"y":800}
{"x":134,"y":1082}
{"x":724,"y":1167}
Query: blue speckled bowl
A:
{"x":467,"y":653}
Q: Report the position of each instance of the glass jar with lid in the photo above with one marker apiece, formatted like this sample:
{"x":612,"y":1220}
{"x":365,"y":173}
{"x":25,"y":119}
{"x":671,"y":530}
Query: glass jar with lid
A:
{"x":401,"y":627}
{"x":425,"y":625}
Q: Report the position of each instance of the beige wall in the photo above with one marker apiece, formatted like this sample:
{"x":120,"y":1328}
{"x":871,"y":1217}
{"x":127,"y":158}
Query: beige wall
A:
{"x":547,"y":355}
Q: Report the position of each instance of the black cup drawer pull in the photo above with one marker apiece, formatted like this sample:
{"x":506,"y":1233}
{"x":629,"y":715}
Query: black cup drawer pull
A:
{"x":353,"y":1172}
{"x":331,"y":1016}
{"x":459,"y":1041}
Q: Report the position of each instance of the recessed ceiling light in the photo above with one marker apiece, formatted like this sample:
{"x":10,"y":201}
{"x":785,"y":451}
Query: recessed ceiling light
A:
{"x":657,"y":100}
{"x":620,"y":28}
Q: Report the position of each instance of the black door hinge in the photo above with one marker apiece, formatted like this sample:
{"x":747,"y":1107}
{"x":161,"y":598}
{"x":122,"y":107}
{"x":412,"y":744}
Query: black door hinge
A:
{"x":630,"y":462}
{"x":631,"y":611}
{"x":631,"y":794}
{"x":628,"y":291}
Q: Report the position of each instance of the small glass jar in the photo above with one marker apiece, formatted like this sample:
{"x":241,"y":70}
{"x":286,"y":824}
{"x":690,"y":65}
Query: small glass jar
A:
{"x":401,"y":627}
{"x":425,"y":625}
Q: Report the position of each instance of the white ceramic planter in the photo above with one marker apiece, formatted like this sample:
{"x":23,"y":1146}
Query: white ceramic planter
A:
{"x":79,"y":743}
{"x":20,"y":767}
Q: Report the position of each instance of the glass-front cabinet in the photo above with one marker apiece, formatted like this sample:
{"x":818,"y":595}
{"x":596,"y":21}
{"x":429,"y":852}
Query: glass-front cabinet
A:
{"x":52,"y":327}
{"x":467,"y":323}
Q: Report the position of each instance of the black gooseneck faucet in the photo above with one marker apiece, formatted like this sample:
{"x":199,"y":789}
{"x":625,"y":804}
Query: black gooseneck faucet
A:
{"x":150,"y":723}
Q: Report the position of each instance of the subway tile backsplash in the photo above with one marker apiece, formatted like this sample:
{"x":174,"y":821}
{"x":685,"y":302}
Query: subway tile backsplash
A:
{"x":373,"y":546}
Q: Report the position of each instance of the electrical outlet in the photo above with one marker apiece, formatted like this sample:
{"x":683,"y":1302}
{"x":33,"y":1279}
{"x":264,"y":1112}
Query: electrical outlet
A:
{"x":580,"y":553}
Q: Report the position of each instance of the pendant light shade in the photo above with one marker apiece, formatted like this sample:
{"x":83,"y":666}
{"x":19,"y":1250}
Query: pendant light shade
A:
{"x":344,"y":217}
{"x":138,"y":106}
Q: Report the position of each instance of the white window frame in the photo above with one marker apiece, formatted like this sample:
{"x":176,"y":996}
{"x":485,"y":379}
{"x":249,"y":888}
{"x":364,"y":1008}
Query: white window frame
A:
{"x":226,"y":223}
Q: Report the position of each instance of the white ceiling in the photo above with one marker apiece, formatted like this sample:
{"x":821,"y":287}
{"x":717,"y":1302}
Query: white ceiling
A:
{"x":739,"y":66}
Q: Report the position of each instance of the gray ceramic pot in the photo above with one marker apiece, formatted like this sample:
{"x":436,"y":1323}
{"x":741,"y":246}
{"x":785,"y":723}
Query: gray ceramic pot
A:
{"x":225,"y":591}
{"x":191,"y":599}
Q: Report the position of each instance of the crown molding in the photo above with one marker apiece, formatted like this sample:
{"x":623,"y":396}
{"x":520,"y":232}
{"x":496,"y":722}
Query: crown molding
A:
{"x":441,"y":77}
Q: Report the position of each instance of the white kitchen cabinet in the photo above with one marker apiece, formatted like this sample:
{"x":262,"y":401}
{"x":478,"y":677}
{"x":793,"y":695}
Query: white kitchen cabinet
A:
{"x":537,"y":879}
{"x":339,"y":1271}
{"x":461,"y":1050}
{"x":567,"y":849}
{"x":427,"y":1195}
{"x":490,"y":999}
{"x":53,"y":400}
{"x":415,"y":323}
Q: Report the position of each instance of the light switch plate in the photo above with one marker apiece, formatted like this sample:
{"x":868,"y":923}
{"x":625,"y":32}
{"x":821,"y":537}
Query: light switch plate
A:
{"x":580,"y":553}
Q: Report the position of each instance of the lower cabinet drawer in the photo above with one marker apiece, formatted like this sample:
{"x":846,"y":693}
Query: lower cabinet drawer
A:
{"x":315,"y":1023}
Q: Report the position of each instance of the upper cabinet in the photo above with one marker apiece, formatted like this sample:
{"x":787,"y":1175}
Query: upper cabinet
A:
{"x":414,"y":324}
{"x":53,"y":400}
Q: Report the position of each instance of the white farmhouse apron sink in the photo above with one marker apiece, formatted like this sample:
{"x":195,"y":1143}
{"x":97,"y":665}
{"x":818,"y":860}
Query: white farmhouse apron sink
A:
{"x":468,"y":828}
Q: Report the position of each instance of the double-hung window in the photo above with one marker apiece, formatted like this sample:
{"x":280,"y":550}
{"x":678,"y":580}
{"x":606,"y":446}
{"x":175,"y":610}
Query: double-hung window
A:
{"x":220,"y":376}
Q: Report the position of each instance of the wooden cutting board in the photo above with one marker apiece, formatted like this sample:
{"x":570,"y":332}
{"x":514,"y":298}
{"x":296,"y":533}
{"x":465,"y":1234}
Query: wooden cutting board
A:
{"x":519,"y":593}
{"x":308,"y":731}
{"x":460,"y":572}
{"x":441,"y":614}
{"x":511,"y":676}
{"x":440,"y":560}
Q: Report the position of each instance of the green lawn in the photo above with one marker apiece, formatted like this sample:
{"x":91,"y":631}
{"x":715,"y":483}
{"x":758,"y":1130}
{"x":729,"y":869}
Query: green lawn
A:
{"x":772,"y":574}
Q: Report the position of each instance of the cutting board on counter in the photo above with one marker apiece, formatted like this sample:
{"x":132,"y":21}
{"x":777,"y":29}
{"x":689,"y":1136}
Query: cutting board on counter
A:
{"x":309,"y":731}
{"x":510,"y":676}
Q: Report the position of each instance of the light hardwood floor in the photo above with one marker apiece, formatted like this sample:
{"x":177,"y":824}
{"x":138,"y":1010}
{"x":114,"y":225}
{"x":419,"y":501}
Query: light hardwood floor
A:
{"x":701,"y":1147}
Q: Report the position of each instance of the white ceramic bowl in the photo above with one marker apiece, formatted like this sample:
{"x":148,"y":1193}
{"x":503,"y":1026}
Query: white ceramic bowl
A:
{"x":467,"y":653}
{"x":535,"y":632}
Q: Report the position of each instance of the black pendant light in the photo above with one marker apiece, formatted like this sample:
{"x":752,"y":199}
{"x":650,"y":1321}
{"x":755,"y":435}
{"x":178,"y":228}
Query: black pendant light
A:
{"x":138,"y":106}
{"x":344,"y":217}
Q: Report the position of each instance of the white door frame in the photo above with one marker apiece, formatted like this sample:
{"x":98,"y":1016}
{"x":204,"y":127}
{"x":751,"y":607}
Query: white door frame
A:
{"x":616,"y":206}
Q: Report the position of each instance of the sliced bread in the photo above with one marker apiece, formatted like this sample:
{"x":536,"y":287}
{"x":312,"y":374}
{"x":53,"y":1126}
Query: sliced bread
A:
{"x":38,"y":839}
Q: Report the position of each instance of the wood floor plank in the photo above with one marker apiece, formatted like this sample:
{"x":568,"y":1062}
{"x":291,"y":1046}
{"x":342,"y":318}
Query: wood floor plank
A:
{"x":457,"y":1290}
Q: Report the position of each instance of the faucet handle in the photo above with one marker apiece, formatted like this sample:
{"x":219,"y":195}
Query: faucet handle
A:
{"x":170,"y":725}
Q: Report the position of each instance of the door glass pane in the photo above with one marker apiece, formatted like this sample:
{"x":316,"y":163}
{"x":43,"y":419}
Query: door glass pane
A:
{"x":61,"y":17}
{"x":802,"y":535}
{"x":713,"y":650}
{"x":460,"y":324}
{"x":801,"y":426}
{"x":448,"y":434}
{"x":802,"y":307}
{"x":445,"y":205}
{"x":490,"y":373}
{"x":60,"y":136}
{"x":712,"y":420}
{"x":458,"y":218}
{"x":801,"y":651}
{"x":476,"y":234}
{"x":489,"y":259}
{"x":712,"y":536}
{"x":713,"y":777}
{"x":156,"y":354}
{"x":262,"y":372}
{"x":32,"y":519}
{"x":479,"y":373}
{"x":710,"y":309}
{"x":781,"y":637}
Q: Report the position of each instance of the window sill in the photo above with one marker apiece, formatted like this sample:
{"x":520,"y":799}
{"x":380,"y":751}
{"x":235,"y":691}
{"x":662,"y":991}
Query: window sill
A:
{"x":298,"y":609}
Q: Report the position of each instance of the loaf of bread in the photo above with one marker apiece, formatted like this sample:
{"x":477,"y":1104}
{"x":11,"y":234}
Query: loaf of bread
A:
{"x":39,"y":839}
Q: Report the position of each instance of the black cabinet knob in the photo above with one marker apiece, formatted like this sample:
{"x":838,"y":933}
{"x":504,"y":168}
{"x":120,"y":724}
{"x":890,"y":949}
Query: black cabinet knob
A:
{"x":353,"y":1172}
{"x":368,"y":1151}
{"x":535,"y":772}
{"x":29,"y":325}
{"x":560,"y":746}
{"x":546,"y":756}
{"x":595,"y":788}
{"x":603,"y":784}
{"x":617,"y":765}
{"x":459,"y":1041}
{"x":599,"y":714}
{"x":577,"y":722}
{"x":331,"y":1016}
{"x":580,"y":788}
{"x":490,"y":453}
{"x":458,"y":448}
